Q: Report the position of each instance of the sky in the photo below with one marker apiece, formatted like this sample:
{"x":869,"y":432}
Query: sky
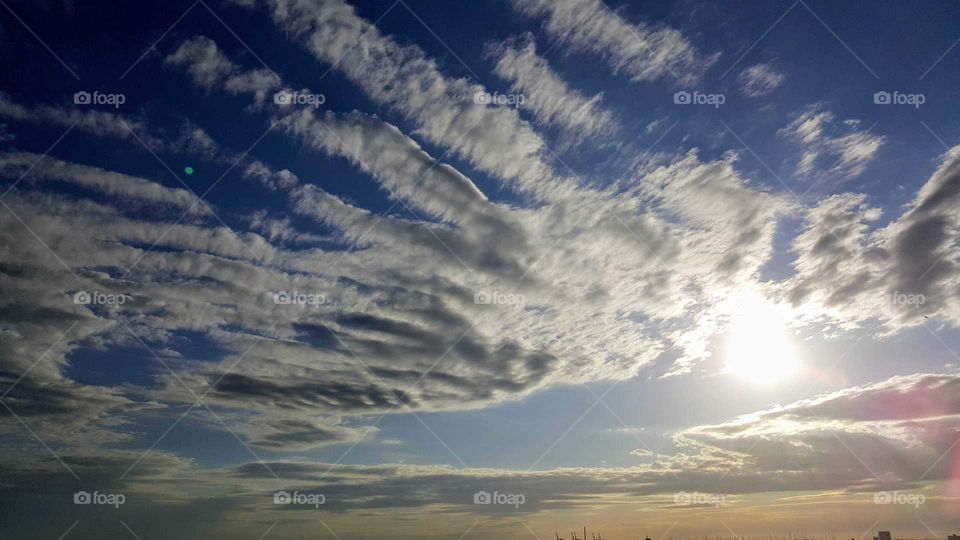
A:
{"x":282,"y":269}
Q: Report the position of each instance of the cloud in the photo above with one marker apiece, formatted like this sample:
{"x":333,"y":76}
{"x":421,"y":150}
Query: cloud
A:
{"x":654,"y":125}
{"x":100,"y":123}
{"x":274,"y":180}
{"x":386,"y":317}
{"x":459,"y":301}
{"x":128,"y":188}
{"x":642,"y":51}
{"x":210,"y":68}
{"x":193,"y":139}
{"x":899,"y":274}
{"x":842,"y":446}
{"x":759,"y":80}
{"x":548,"y":96}
{"x":323,"y":311}
{"x":831,"y":150}
{"x":202,"y":60}
{"x":665,"y":253}
{"x":281,"y":230}
{"x":404,"y":79}
{"x":885,"y":435}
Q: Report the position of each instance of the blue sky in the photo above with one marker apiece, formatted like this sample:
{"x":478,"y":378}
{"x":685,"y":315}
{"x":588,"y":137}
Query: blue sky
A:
{"x":655,"y":317}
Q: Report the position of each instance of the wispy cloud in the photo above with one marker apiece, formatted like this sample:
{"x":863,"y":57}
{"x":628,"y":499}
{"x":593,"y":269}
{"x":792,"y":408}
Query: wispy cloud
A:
{"x":760,"y":80}
{"x":548,"y":96}
{"x":642,"y":51}
{"x":831,"y":150}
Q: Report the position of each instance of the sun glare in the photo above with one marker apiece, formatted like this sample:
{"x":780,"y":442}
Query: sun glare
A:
{"x":759,"y":348}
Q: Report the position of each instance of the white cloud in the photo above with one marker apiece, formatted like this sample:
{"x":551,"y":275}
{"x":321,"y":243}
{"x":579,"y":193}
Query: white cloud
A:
{"x":840,"y":446}
{"x":643,"y":52}
{"x":274,"y":180}
{"x":193,"y":139}
{"x":45,"y":168}
{"x":407,"y":295}
{"x":100,"y":123}
{"x":886,"y":434}
{"x":209,"y":68}
{"x":404,"y":79}
{"x":548,"y":96}
{"x":281,"y":230}
{"x":759,"y":80}
{"x":598,"y":284}
{"x":833,"y":150}
{"x":654,"y":125}
{"x":848,"y":273}
{"x":203,"y":61}
{"x":610,"y":279}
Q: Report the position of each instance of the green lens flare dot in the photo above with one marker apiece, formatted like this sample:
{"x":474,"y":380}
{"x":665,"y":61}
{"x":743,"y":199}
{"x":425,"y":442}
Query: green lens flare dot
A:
{"x":188,"y":170}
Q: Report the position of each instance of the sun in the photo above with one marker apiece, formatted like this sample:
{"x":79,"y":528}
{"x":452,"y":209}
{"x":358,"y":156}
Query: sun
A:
{"x":759,"y":348}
